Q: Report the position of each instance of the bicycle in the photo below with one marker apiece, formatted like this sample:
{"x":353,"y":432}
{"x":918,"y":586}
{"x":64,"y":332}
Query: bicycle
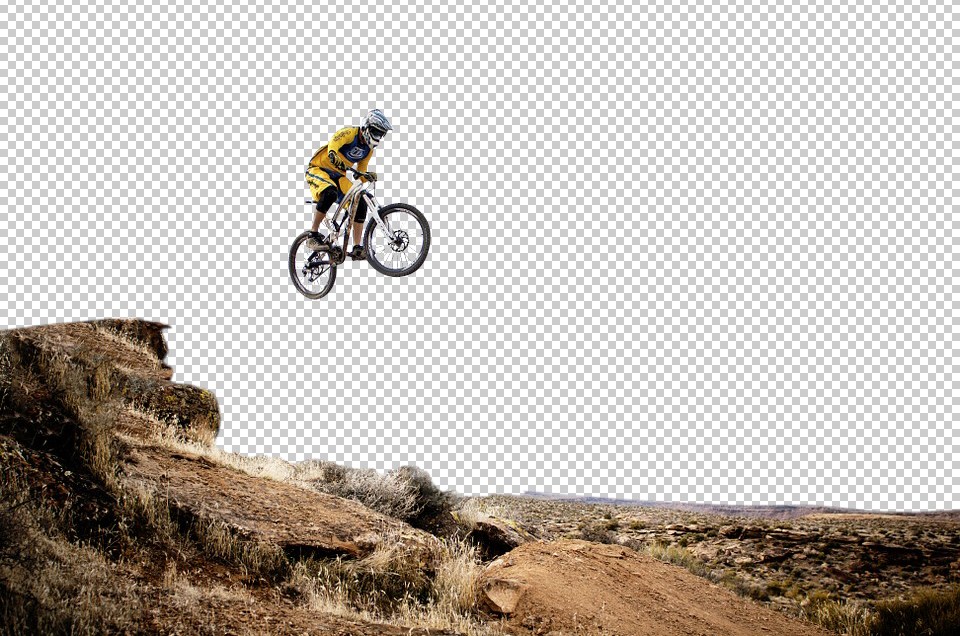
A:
{"x":396,"y":237}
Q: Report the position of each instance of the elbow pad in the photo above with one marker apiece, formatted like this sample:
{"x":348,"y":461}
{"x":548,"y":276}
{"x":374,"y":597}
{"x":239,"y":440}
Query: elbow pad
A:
{"x":335,"y":160}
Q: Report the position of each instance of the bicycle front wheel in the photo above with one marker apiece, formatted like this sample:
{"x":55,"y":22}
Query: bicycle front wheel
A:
{"x":312,"y":271}
{"x":404,"y":249}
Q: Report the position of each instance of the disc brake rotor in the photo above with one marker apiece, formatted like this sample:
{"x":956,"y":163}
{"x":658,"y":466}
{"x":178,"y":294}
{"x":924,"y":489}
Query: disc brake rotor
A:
{"x":400,"y":241}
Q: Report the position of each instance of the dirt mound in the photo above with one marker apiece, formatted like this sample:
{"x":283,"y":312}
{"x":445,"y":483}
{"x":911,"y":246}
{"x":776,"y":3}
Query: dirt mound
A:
{"x":573,"y":586}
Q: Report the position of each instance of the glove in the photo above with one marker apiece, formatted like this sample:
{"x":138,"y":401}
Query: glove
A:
{"x":335,"y":160}
{"x":370,"y":176}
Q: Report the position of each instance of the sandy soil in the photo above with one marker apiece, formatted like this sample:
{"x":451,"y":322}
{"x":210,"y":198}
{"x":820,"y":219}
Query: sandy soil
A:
{"x":572,"y":586}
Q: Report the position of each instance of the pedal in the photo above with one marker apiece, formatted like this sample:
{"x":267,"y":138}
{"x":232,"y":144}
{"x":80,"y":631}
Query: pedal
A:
{"x":315,"y":243}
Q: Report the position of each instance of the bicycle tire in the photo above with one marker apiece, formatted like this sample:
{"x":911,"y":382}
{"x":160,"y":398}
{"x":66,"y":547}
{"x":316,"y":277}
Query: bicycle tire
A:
{"x":294,"y":273}
{"x":424,"y":226}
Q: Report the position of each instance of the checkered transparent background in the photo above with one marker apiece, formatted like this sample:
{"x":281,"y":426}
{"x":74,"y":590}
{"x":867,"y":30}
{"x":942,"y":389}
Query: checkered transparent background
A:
{"x":681,"y":252}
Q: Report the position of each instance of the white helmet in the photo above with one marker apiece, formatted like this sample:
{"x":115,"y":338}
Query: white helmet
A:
{"x":373,"y":127}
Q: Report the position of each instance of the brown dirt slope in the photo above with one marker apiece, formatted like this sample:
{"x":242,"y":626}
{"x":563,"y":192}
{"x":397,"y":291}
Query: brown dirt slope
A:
{"x":573,"y":586}
{"x":88,"y":420}
{"x":282,"y":514}
{"x":815,"y":564}
{"x":115,"y":511}
{"x":120,"y":361}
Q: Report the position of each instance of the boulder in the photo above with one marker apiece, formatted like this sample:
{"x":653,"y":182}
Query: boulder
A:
{"x":495,"y":537}
{"x":501,"y":596}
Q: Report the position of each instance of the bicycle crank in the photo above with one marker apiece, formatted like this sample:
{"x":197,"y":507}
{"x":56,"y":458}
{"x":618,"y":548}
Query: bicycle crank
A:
{"x":336,"y":255}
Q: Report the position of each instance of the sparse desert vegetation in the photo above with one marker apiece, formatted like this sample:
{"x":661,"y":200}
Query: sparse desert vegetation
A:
{"x":84,"y":549}
{"x":118,"y":515}
{"x":853,"y":573}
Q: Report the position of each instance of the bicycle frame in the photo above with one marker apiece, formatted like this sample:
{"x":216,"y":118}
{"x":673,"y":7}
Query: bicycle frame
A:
{"x":313,"y":254}
{"x":350,"y":203}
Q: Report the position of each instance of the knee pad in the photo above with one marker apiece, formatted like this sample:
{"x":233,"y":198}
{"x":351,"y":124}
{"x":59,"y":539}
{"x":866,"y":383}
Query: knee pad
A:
{"x":361,"y":212}
{"x":327,"y":197}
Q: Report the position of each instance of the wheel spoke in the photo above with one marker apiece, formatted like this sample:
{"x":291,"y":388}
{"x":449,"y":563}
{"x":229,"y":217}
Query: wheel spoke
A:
{"x":312,"y":273}
{"x":399,"y":249}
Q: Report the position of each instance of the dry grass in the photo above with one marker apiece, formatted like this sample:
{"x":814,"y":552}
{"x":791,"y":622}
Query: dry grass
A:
{"x":185,"y":593}
{"x":144,"y":507}
{"x":472,"y":511}
{"x":850,"y":618}
{"x":398,"y":586}
{"x":141,"y":507}
{"x":930,"y":612}
{"x":67,"y":588}
{"x":50,"y":585}
{"x":142,"y":350}
{"x":218,"y":540}
{"x":456,"y":579}
{"x":6,"y":371}
{"x":677,"y":556}
{"x":926,"y":612}
{"x":406,"y":493}
{"x":393,"y":584}
{"x":389,"y":494}
{"x":98,"y":444}
{"x":170,"y":436}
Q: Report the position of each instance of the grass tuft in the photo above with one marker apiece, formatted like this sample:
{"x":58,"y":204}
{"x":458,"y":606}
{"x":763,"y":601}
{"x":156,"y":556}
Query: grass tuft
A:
{"x":254,"y":558}
{"x":930,"y":612}
{"x":398,"y":586}
{"x":678,"y":556}
{"x":49,"y":585}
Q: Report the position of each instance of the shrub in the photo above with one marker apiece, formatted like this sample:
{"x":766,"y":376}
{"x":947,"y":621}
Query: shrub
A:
{"x":406,"y":493}
{"x":840,"y":616}
{"x":928,"y":611}
{"x":678,"y":556}
{"x":432,"y":506}
{"x":602,"y":531}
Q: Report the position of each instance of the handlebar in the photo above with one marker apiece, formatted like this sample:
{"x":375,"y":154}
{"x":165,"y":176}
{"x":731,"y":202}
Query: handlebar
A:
{"x":358,"y":173}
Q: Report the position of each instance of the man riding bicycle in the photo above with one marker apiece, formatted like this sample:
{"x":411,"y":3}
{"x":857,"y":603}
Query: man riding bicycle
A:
{"x":326,"y":174}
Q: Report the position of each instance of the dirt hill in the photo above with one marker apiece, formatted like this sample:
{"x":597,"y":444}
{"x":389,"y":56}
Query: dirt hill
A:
{"x":572,"y":586}
{"x":118,"y":515}
{"x":848,"y":570}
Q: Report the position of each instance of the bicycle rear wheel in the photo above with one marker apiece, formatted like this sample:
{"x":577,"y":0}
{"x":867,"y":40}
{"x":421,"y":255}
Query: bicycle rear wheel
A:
{"x":312,"y":271}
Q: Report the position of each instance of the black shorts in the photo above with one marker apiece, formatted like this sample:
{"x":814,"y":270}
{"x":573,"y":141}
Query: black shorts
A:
{"x":331,"y":194}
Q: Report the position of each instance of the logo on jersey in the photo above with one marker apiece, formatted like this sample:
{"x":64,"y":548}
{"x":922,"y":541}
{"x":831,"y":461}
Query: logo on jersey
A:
{"x":356,"y":153}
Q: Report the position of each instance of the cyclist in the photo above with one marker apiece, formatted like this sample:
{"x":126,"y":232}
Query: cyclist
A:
{"x":326,"y":174}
